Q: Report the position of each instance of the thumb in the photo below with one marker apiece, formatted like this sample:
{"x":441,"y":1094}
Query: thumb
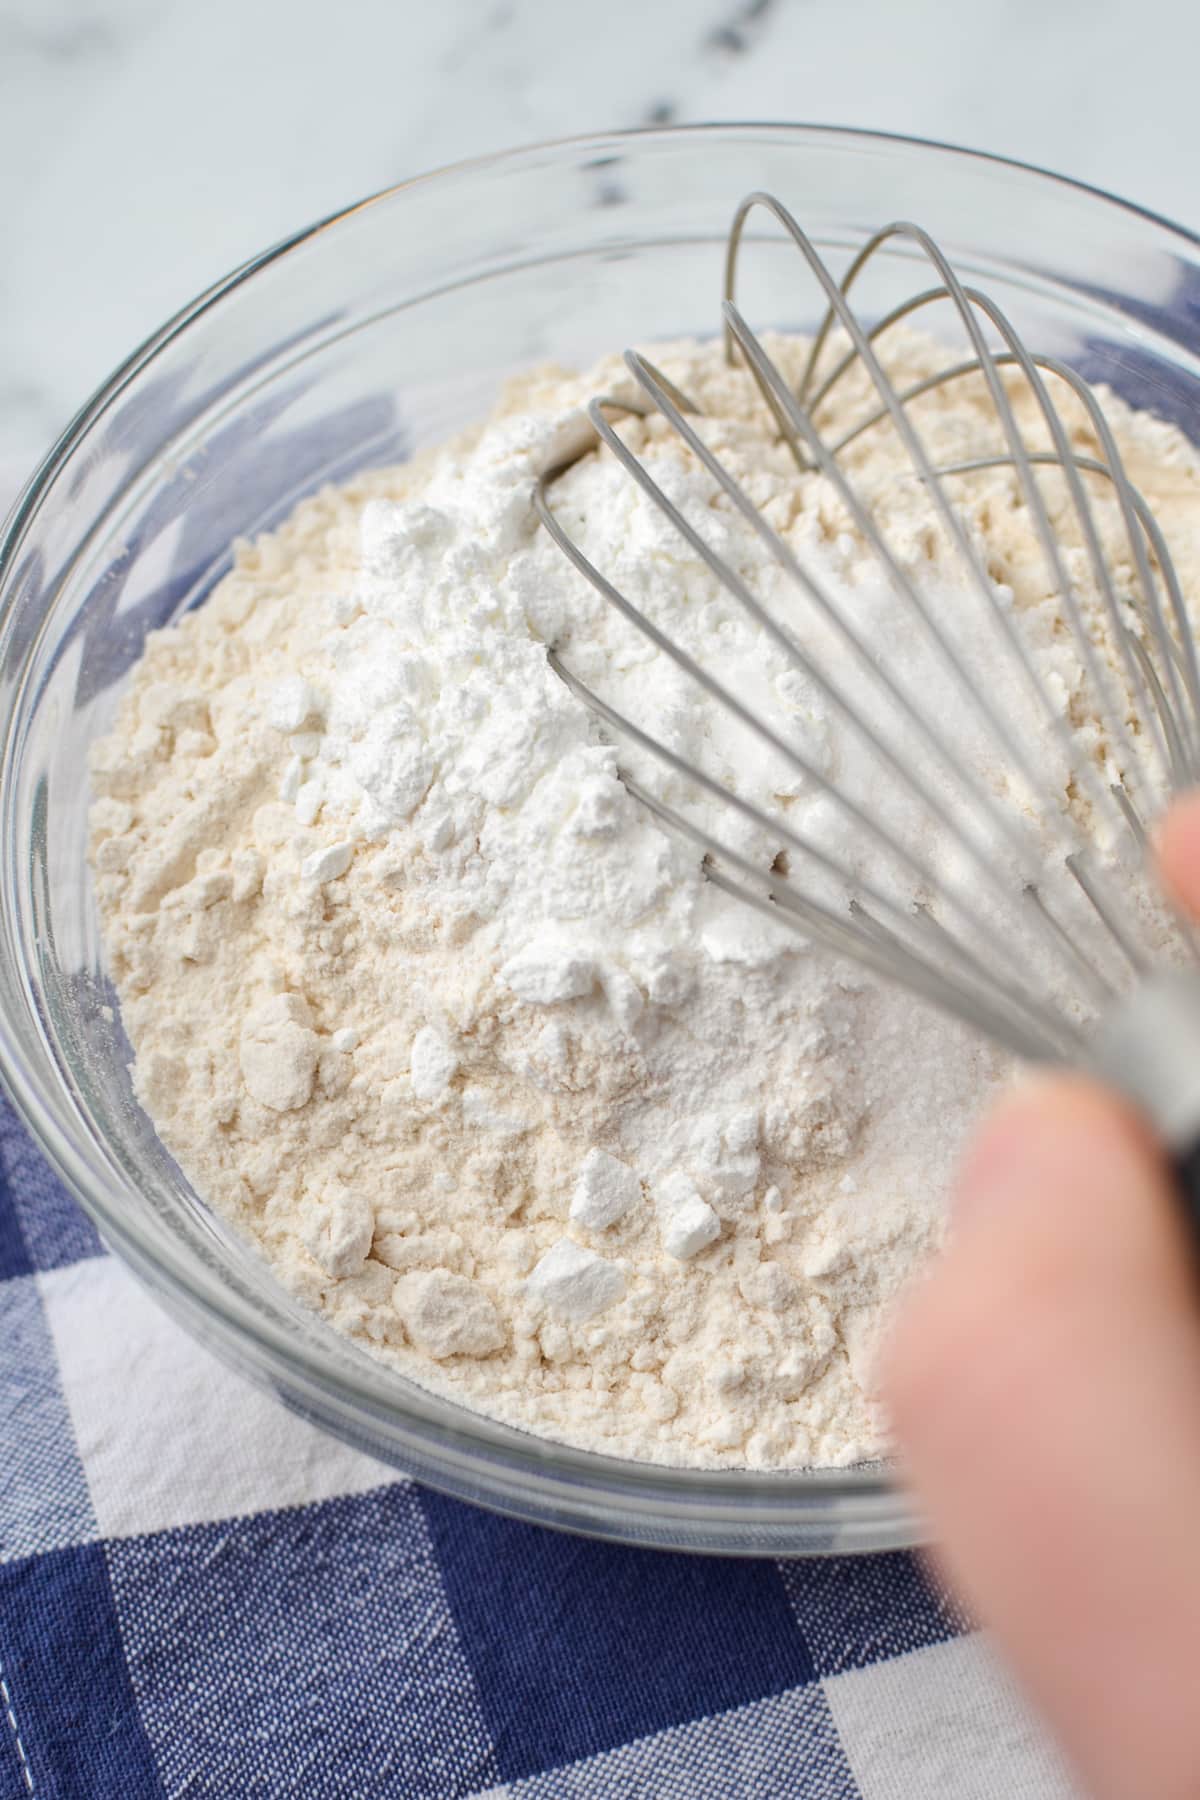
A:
{"x":1044,"y":1384}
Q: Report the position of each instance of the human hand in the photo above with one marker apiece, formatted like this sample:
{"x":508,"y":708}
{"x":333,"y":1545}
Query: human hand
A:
{"x":1044,"y":1386}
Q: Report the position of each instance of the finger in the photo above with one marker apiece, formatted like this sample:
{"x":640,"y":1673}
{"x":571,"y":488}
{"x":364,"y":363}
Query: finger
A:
{"x":1178,"y":846}
{"x":1044,"y":1384}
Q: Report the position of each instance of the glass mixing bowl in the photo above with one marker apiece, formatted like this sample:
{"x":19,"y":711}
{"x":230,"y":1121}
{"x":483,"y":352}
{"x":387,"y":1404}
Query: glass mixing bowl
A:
{"x":355,"y":342}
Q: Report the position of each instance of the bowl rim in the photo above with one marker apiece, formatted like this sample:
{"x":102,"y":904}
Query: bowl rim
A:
{"x":750,"y":1500}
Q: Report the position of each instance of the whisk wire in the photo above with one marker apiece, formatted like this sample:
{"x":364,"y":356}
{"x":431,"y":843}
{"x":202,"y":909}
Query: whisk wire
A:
{"x":964,"y":301}
{"x":761,"y":366}
{"x":1086,"y":878}
{"x":1101,"y":682}
{"x":716,"y":689}
{"x":647,"y":376}
{"x":1141,"y":526}
{"x":936,"y":935}
{"x":952,"y":763}
{"x":1009,"y":1014}
{"x":792,"y":419}
{"x":771,"y":381}
{"x":785,"y":409}
{"x":950,"y":892}
{"x":905,"y":310}
{"x":784,"y":893}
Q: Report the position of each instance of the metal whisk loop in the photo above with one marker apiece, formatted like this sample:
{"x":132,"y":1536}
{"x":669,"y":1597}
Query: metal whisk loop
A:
{"x":654,"y":386}
{"x":954,"y":929}
{"x":834,"y":866}
{"x":1017,"y":1009}
{"x":1135,"y":513}
{"x":1141,"y":526}
{"x":785,"y":409}
{"x":793,"y":421}
{"x":953,"y":894}
{"x":1009,"y":1013}
{"x":792,"y":417}
{"x":1066,"y":456}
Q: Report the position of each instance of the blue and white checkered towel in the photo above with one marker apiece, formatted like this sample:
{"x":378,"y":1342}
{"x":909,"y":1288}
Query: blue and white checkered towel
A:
{"x":202,"y":1596}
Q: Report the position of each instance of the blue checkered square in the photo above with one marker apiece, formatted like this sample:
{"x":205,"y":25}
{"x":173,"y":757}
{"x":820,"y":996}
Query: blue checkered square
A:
{"x":15,"y":1775}
{"x":69,"y":1693}
{"x":44,"y":1501}
{"x":40,"y":1225}
{"x":578,"y":1646}
{"x":302,"y":1652}
{"x":14,"y":1253}
{"x":857,"y":1610}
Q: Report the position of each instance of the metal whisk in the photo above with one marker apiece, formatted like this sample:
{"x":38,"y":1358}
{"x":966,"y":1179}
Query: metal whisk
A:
{"x":1043,"y":951}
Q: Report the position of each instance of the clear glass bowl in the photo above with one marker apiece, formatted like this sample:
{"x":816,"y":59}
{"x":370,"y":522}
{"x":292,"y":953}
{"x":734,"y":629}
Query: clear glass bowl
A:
{"x":355,"y":342}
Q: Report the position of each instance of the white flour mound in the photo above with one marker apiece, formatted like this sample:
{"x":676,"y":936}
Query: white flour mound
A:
{"x":428,"y":1006}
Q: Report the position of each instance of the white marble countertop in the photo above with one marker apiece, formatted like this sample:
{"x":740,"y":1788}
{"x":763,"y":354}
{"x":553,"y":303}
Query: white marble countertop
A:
{"x":150,"y":145}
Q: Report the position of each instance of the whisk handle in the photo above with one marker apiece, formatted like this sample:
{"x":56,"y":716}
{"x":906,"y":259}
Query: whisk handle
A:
{"x":1149,"y":1048}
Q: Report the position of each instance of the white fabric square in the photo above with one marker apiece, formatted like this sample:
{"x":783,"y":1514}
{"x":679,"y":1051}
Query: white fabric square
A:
{"x":944,"y":1723}
{"x":44,"y":1502}
{"x":166,"y":1434}
{"x":303,"y":1653}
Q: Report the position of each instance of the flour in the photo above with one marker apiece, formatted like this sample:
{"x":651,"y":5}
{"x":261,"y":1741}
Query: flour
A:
{"x":453,"y":1029}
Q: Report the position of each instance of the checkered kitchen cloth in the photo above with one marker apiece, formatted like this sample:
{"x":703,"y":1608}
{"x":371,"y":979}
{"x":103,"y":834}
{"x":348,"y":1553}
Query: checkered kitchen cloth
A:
{"x":201,"y":1595}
